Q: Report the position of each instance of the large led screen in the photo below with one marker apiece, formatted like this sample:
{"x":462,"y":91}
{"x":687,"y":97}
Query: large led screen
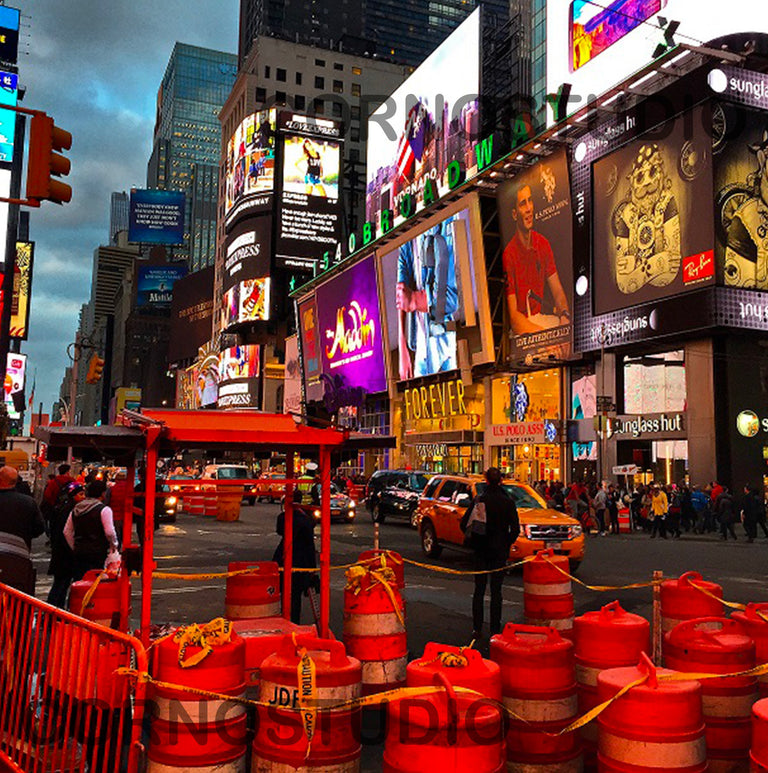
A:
{"x":15,"y":377}
{"x":310,"y":349}
{"x":431,"y":120}
{"x":250,"y":165}
{"x":653,"y":235}
{"x":310,"y":205}
{"x":9,"y":83}
{"x":595,"y":45}
{"x":239,"y":377}
{"x":350,"y":330}
{"x":156,"y":217}
{"x":154,"y":285}
{"x":425,"y":297}
{"x":22,"y":289}
{"x":535,"y":218}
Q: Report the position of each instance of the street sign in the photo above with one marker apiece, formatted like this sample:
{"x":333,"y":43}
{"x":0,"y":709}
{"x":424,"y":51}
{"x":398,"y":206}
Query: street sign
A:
{"x":626,"y":469}
{"x":604,"y":404}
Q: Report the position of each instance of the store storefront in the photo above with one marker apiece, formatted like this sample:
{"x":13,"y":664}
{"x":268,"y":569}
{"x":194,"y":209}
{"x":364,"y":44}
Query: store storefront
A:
{"x":525,"y":439}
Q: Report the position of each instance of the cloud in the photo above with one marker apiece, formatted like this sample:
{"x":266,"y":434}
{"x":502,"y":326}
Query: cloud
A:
{"x":96,"y":67}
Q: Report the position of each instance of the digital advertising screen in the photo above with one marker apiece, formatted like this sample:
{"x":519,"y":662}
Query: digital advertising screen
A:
{"x":22,"y":289}
{"x":9,"y":34}
{"x":239,"y":377}
{"x":292,"y":384}
{"x":584,"y":406}
{"x":595,"y":45}
{"x":15,"y":376}
{"x":309,"y":221}
{"x":428,"y":122}
{"x":9,"y":85}
{"x":191,"y":314}
{"x":247,"y":301}
{"x":247,"y":251}
{"x":310,"y":349}
{"x":154,"y":285}
{"x":653,"y":235}
{"x":250,"y":165}
{"x":350,"y":329}
{"x":426,"y":293}
{"x":156,"y":217}
{"x":535,"y":218}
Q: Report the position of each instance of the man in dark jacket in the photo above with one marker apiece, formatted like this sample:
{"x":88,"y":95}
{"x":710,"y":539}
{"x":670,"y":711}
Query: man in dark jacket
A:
{"x":753,"y":508}
{"x":20,"y":522}
{"x":725,"y":510}
{"x":492,"y":526}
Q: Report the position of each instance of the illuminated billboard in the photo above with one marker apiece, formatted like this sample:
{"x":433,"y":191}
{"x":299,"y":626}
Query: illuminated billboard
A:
{"x":310,"y":349}
{"x":250,"y":165}
{"x":292,"y":387}
{"x":154,"y":285}
{"x":156,"y":217}
{"x":22,"y":288}
{"x":429,"y":290}
{"x":428,"y":122}
{"x":191,"y":314}
{"x":309,"y":223}
{"x":13,"y":387}
{"x":9,"y":83}
{"x":594,"y":45}
{"x":535,"y":219}
{"x":350,"y":330}
{"x":239,"y":377}
{"x":652,"y":220}
{"x":9,"y":34}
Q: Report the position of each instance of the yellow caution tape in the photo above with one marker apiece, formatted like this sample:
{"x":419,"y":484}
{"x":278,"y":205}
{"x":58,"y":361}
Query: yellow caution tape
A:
{"x":208,"y":636}
{"x":384,"y":577}
{"x":307,"y":680}
{"x":90,"y":592}
{"x":600,"y":588}
{"x":206,"y":576}
{"x":447,"y":570}
{"x":730,"y":604}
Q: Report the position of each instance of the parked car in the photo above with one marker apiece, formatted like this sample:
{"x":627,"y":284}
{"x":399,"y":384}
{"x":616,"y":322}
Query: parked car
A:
{"x":271,"y":487}
{"x":232,"y":472}
{"x":395,"y":493}
{"x":447,"y":497}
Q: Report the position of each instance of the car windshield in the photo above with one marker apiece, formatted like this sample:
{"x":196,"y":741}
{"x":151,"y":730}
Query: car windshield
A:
{"x":232,"y":473}
{"x":522,"y":497}
{"x":419,"y":482}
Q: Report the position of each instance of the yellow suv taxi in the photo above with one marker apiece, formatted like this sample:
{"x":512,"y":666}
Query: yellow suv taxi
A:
{"x":447,"y":497}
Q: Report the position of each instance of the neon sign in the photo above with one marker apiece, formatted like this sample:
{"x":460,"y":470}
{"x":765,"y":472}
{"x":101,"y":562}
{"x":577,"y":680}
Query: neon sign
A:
{"x":351,"y":340}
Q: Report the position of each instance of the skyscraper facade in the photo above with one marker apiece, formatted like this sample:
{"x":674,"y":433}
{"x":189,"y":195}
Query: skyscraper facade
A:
{"x":187,"y":141}
{"x":118,"y":214}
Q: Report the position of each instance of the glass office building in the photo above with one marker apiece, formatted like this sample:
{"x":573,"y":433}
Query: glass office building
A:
{"x":187,"y":141}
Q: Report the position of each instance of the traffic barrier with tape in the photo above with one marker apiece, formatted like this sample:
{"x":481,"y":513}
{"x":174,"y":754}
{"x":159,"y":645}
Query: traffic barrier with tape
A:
{"x":754,"y":621}
{"x":383,"y":559}
{"x":190,"y":733}
{"x":210,"y":500}
{"x":548,"y":593}
{"x":306,"y":674}
{"x":758,"y":755}
{"x":539,"y":691}
{"x":99,"y":597}
{"x":194,"y":502}
{"x":607,"y":638}
{"x":716,"y":645}
{"x":655,"y":726}
{"x":682,"y":599}
{"x":256,"y":594}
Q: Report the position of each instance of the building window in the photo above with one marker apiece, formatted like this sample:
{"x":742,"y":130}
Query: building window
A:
{"x":318,"y":106}
{"x":267,"y":71}
{"x":355,"y":89}
{"x":357,"y":71}
{"x":319,"y":62}
{"x":338,"y":66}
{"x":355,"y":135}
{"x":298,"y":79}
{"x":338,"y":87}
{"x":281,"y":74}
{"x":261,"y":94}
{"x":319,"y":82}
{"x":280,"y":97}
{"x":354,"y":155}
{"x":337,"y":109}
{"x":355,"y":113}
{"x":300,"y":102}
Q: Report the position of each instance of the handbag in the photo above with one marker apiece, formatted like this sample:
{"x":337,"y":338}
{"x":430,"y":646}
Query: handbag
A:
{"x":477,"y":524}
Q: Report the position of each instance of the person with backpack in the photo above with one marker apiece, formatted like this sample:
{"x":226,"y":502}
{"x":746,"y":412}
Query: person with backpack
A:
{"x":51,"y":494}
{"x":61,"y":565}
{"x":491,"y":526}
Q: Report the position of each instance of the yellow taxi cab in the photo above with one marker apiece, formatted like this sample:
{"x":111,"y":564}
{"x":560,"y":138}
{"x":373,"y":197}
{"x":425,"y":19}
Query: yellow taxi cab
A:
{"x":271,"y":486}
{"x":447,"y":497}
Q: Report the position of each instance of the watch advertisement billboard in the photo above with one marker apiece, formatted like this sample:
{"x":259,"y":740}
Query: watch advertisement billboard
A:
{"x":428,"y":122}
{"x":191,"y":314}
{"x":535,"y":218}
{"x":349,"y":324}
{"x":9,"y":84}
{"x":15,"y":375}
{"x":22,"y":288}
{"x":156,"y":217}
{"x":154,"y":285}
{"x":310,"y":349}
{"x":652,"y":223}
{"x":426,"y":293}
{"x":239,"y":377}
{"x":309,"y":222}
{"x":594,"y":46}
{"x":250,"y":165}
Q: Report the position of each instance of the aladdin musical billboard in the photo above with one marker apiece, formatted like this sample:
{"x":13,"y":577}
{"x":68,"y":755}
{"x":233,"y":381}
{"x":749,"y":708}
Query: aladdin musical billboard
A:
{"x":436,"y":120}
{"x":535,"y":218}
{"x":653,"y":235}
{"x":350,"y":330}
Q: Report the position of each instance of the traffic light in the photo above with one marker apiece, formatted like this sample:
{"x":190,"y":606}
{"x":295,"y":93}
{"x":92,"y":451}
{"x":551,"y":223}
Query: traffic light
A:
{"x":95,"y":366}
{"x":45,"y":138}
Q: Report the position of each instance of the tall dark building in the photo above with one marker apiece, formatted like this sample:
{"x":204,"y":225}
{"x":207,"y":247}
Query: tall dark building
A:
{"x":404,"y":31}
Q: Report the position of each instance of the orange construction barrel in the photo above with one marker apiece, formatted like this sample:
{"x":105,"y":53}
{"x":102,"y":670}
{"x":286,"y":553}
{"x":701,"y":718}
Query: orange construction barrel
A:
{"x":462,"y":667}
{"x":758,"y":756}
{"x":374,"y":630}
{"x":607,"y":638}
{"x":253,"y":595}
{"x":228,"y":503}
{"x":386,"y":558}
{"x":547,"y":592}
{"x":680,"y":600}
{"x":190,"y":733}
{"x":656,"y":726}
{"x":210,"y":500}
{"x":443,"y":732}
{"x":194,"y":502}
{"x":539,"y":691}
{"x":105,"y":604}
{"x":717,"y":645}
{"x":281,"y":742}
{"x":754,"y":621}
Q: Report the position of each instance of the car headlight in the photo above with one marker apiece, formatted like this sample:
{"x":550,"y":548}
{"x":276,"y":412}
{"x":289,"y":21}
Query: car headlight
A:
{"x":352,"y":503}
{"x":316,"y":513}
{"x":576,"y":531}
{"x":528,"y":531}
{"x":171,"y":501}
{"x":351,"y":515}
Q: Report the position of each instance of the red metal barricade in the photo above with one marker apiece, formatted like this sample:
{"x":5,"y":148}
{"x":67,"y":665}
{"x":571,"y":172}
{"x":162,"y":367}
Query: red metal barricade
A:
{"x":65,"y":706}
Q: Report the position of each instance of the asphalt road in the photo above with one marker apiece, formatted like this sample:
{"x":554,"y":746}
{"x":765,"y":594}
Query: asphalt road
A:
{"x":438,"y":605}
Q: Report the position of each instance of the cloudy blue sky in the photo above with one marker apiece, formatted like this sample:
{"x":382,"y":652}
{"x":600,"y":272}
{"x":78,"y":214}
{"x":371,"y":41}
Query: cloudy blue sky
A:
{"x":95,"y":66}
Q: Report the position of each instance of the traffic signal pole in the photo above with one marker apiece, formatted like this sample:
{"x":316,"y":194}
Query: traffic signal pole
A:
{"x":73,"y":389}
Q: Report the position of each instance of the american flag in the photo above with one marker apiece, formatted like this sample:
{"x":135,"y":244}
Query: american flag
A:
{"x":410,"y":148}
